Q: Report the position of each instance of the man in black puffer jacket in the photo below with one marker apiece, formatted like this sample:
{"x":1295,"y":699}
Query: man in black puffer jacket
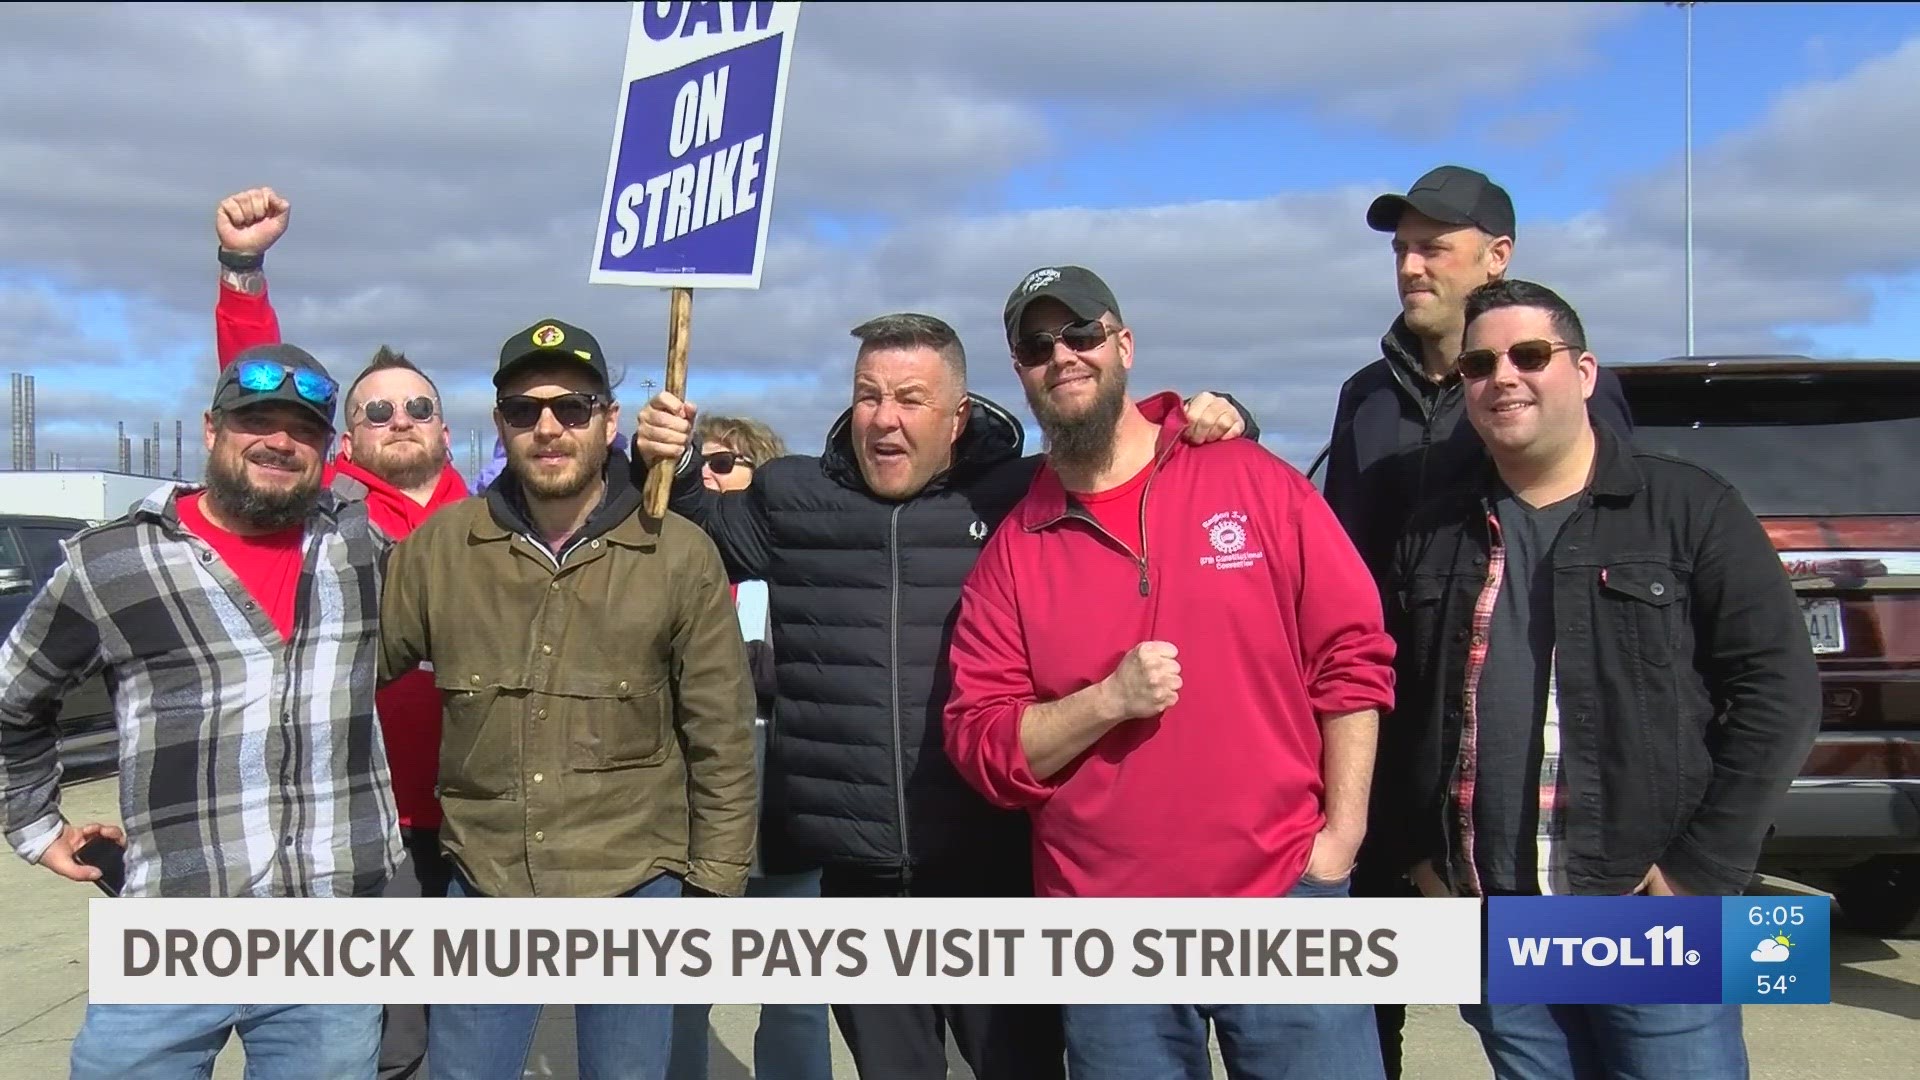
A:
{"x":864,"y":550}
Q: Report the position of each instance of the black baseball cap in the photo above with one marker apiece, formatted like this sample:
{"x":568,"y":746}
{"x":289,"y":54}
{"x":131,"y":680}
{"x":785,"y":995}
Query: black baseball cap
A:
{"x":1075,"y":286}
{"x":551,"y":339}
{"x":279,"y":372}
{"x":1450,"y":194}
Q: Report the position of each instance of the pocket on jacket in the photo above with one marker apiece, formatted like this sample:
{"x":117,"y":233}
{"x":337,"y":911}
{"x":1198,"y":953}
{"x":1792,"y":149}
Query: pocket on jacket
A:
{"x":1642,"y":601}
{"x":617,"y":725}
{"x":478,"y":757}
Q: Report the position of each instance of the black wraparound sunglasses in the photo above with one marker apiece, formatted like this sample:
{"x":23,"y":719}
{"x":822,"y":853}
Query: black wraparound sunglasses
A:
{"x":572,"y":410}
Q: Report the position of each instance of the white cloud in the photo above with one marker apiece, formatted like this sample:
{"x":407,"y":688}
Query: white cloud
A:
{"x":1769,"y":951}
{"x":445,"y":163}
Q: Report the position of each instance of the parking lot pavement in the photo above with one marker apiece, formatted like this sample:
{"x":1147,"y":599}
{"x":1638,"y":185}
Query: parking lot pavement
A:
{"x":1869,"y":1032}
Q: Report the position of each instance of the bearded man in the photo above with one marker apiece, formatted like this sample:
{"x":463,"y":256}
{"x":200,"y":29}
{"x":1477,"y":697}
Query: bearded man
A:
{"x":1173,"y":659}
{"x":235,"y":623}
{"x":598,"y":729}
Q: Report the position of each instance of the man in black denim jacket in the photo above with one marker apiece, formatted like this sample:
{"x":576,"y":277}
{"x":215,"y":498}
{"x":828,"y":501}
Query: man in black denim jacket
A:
{"x":1604,"y":682}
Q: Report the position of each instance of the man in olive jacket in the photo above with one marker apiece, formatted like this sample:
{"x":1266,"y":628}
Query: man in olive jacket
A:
{"x":598,"y":734}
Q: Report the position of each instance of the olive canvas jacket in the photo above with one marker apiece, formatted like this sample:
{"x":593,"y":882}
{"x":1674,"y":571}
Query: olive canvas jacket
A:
{"x":598,"y":721}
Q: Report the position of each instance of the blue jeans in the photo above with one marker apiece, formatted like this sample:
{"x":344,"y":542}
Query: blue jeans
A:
{"x":490,"y":1042}
{"x":1611,"y":1042}
{"x":179,"y":1042}
{"x":1257,"y":1042}
{"x":792,"y":1041}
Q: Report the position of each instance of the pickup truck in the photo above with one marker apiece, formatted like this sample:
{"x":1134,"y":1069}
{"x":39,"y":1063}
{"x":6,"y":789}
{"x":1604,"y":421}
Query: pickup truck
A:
{"x":1827,"y":454}
{"x":29,"y":553}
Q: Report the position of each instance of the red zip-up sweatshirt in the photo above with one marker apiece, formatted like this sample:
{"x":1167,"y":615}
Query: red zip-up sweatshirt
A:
{"x":1277,"y":624}
{"x":409,"y":707}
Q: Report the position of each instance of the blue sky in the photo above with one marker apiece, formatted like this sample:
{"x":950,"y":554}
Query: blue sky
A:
{"x":1574,"y":136}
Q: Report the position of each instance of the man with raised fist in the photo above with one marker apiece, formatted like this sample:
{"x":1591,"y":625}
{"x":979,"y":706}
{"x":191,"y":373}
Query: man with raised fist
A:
{"x":393,"y":455}
{"x":1173,"y":658}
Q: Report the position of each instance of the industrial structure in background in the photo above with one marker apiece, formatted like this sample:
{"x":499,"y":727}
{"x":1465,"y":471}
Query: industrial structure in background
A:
{"x":25,"y":428}
{"x":24,"y":455}
{"x":76,"y":489}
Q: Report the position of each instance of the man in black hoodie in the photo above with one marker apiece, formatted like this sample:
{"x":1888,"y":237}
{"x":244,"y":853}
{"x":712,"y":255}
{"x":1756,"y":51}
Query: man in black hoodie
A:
{"x":1397,"y":430}
{"x":864,"y":550}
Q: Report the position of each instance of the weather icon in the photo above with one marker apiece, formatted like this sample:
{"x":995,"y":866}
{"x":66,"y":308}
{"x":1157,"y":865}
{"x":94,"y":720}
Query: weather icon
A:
{"x":1773,"y":950}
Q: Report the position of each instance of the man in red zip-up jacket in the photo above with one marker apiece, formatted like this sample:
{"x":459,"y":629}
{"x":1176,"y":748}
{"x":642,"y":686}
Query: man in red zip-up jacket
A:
{"x":395,"y":455}
{"x":1174,"y":659}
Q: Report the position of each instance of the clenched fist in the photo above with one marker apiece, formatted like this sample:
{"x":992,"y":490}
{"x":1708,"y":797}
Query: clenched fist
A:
{"x":1147,"y":682}
{"x":250,"y":221}
{"x":666,"y":426}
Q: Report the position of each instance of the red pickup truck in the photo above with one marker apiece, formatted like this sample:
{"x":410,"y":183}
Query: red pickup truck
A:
{"x":1827,"y":453}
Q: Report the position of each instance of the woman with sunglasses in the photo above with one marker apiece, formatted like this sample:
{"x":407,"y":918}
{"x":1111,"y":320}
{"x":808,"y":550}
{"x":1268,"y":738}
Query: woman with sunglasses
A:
{"x":792,"y":1042}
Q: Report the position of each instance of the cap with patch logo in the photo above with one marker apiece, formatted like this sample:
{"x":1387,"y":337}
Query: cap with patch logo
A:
{"x":550,"y":339}
{"x":1080,"y":289}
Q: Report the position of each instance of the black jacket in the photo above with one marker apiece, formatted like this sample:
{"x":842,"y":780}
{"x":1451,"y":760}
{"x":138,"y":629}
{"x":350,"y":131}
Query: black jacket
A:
{"x":862,"y":593}
{"x":1398,"y":436}
{"x":1687,"y":692}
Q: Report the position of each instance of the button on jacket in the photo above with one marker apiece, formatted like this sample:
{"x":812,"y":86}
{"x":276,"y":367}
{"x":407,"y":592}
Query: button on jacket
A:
{"x":598,"y":727}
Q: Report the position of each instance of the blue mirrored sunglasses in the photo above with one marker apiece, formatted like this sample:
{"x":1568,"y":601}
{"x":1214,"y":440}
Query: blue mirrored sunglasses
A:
{"x":266,"y":376}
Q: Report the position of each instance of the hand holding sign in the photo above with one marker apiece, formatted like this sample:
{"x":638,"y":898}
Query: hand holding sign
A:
{"x":665,"y":429}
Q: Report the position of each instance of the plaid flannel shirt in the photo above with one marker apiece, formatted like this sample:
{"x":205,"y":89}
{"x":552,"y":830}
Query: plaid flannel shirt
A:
{"x":1550,"y":853}
{"x":250,"y":765}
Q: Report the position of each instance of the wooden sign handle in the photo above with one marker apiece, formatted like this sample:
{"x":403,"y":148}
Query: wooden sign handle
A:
{"x":679,"y":325}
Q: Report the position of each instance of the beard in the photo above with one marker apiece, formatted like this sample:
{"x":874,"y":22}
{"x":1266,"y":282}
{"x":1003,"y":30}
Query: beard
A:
{"x":261,"y":508}
{"x":404,"y":463}
{"x":589,"y":460}
{"x":1082,"y":444}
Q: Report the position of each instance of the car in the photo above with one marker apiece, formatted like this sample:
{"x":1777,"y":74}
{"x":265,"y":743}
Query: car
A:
{"x":30,"y":551}
{"x":1827,"y":454}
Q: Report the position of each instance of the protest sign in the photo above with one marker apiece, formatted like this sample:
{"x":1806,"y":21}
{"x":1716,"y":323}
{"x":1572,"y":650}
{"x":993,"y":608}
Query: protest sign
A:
{"x":763,"y":950}
{"x":689,"y":191}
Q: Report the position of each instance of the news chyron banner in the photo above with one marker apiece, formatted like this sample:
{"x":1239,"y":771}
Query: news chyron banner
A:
{"x":689,"y":190}
{"x":1646,"y":950}
{"x":751,"y":950}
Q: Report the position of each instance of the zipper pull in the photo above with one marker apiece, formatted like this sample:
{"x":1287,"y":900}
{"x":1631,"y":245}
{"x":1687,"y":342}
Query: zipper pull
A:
{"x":1143,"y":579}
{"x":1603,"y":575}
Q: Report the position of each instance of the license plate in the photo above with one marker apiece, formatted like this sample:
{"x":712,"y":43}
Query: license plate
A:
{"x":1823,"y":625}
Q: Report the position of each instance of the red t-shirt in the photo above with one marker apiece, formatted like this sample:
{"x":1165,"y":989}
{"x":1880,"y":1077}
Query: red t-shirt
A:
{"x":269,"y":566}
{"x":1117,"y":509}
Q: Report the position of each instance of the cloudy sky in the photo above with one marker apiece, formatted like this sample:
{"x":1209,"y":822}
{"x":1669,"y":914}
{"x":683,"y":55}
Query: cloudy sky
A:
{"x":1213,"y":162}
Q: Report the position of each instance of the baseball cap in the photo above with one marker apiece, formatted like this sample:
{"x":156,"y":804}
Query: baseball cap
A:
{"x":1075,"y":286}
{"x":1451,"y":194}
{"x":551,"y":339}
{"x":279,"y":372}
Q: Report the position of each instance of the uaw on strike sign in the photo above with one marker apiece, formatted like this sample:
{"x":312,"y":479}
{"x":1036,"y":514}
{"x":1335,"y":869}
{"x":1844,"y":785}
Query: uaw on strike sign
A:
{"x":689,"y":189}
{"x":796,"y":951}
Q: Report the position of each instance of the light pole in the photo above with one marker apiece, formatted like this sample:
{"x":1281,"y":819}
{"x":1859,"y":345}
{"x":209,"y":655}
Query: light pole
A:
{"x":1688,"y":6}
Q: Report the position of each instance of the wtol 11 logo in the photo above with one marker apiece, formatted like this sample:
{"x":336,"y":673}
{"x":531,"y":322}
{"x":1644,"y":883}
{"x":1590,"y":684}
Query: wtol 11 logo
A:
{"x":1657,"y":950}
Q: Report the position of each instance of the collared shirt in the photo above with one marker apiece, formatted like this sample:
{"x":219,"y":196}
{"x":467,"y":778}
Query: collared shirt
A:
{"x":250,"y":764}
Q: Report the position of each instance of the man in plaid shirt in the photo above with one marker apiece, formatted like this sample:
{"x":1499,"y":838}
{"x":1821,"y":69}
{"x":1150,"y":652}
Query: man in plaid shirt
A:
{"x":236,"y":624}
{"x":1605,"y":685}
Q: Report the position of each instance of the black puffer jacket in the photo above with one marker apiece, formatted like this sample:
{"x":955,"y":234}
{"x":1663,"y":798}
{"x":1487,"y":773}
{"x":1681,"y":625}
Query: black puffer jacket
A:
{"x":863,"y":592}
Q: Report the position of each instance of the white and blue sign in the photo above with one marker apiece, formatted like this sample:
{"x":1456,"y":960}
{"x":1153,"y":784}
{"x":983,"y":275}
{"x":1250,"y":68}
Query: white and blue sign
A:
{"x":1646,"y":950}
{"x":689,"y":190}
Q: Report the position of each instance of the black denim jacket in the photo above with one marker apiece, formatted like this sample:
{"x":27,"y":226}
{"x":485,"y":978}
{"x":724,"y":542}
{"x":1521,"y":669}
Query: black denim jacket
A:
{"x":1687,"y":691}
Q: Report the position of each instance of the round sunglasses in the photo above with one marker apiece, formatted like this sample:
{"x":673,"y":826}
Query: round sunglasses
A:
{"x":379,"y":413}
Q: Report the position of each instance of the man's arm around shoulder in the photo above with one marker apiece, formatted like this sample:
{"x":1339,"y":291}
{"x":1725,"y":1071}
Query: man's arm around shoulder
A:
{"x":714,"y":710}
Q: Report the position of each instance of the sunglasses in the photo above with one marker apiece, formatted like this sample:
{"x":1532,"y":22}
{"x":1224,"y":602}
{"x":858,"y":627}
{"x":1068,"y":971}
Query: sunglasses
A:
{"x":266,"y":376}
{"x":723,"y":461}
{"x":380,"y":413}
{"x":1526,"y":356}
{"x":572,"y":410}
{"x":1035,"y":349}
